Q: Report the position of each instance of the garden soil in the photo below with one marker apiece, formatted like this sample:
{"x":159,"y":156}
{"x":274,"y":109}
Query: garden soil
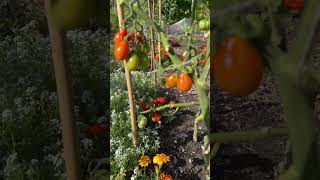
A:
{"x":236,"y":161}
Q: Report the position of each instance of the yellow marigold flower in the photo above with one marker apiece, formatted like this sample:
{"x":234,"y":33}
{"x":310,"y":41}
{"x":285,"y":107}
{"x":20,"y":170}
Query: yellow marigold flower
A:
{"x":164,"y":176}
{"x":144,"y":161}
{"x":161,"y":159}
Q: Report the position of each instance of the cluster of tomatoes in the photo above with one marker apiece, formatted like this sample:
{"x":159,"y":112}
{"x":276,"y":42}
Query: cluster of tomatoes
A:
{"x":183,"y":82}
{"x":133,"y":49}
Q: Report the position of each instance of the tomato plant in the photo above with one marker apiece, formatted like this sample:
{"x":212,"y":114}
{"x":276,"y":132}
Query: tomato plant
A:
{"x":121,"y":50}
{"x":237,"y":66}
{"x":184,"y":83}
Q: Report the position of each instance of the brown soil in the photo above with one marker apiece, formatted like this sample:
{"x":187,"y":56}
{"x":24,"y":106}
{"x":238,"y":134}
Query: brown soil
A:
{"x":176,"y":140}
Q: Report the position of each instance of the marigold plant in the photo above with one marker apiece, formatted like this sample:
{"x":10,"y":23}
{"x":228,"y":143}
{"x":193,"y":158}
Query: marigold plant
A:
{"x":144,"y":161}
{"x":161,"y":159}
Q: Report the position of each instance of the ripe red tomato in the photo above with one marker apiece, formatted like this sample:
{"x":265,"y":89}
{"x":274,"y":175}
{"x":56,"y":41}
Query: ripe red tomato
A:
{"x":139,"y":36}
{"x":123,"y":32}
{"x":121,"y":51}
{"x":294,"y":4}
{"x":133,"y":36}
{"x":118,"y":37}
{"x":171,"y":81}
{"x":237,"y":66}
{"x":184,"y":83}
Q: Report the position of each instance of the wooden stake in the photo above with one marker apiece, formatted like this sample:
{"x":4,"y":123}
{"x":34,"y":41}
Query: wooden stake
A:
{"x":64,"y":89}
{"x":151,"y":34}
{"x":129,"y":84}
{"x":159,"y":39}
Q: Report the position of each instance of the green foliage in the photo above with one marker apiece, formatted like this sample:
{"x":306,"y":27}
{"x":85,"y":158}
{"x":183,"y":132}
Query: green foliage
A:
{"x":30,"y":132}
{"x":123,"y":155}
{"x":175,"y":10}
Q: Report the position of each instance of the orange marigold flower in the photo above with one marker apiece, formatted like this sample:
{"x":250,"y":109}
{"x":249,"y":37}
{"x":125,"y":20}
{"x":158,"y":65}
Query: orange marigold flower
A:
{"x":164,"y":176}
{"x":155,"y":117}
{"x":144,"y":161}
{"x":161,"y":159}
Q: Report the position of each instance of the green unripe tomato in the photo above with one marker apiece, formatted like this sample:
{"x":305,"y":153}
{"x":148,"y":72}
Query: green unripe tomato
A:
{"x":145,"y":62}
{"x":145,"y":47}
{"x":71,"y":14}
{"x":133,"y":62}
{"x":204,"y":25}
{"x":142,"y":121}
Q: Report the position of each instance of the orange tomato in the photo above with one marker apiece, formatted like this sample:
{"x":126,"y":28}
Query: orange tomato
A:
{"x":184,"y":83}
{"x":121,"y":51}
{"x":171,"y":81}
{"x":237,"y":66}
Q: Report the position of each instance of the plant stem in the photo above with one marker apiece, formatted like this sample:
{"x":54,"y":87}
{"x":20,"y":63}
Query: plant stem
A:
{"x":170,"y":106}
{"x":227,"y":137}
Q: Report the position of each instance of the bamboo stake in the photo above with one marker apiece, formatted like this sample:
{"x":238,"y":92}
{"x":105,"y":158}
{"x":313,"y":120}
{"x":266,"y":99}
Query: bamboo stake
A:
{"x":151,"y":34}
{"x":159,"y":38}
{"x":129,"y":84}
{"x":64,"y":89}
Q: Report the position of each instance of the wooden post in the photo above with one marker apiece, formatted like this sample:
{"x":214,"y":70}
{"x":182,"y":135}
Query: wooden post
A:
{"x":151,"y":34}
{"x":64,"y":89}
{"x":129,"y":84}
{"x":159,"y":39}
